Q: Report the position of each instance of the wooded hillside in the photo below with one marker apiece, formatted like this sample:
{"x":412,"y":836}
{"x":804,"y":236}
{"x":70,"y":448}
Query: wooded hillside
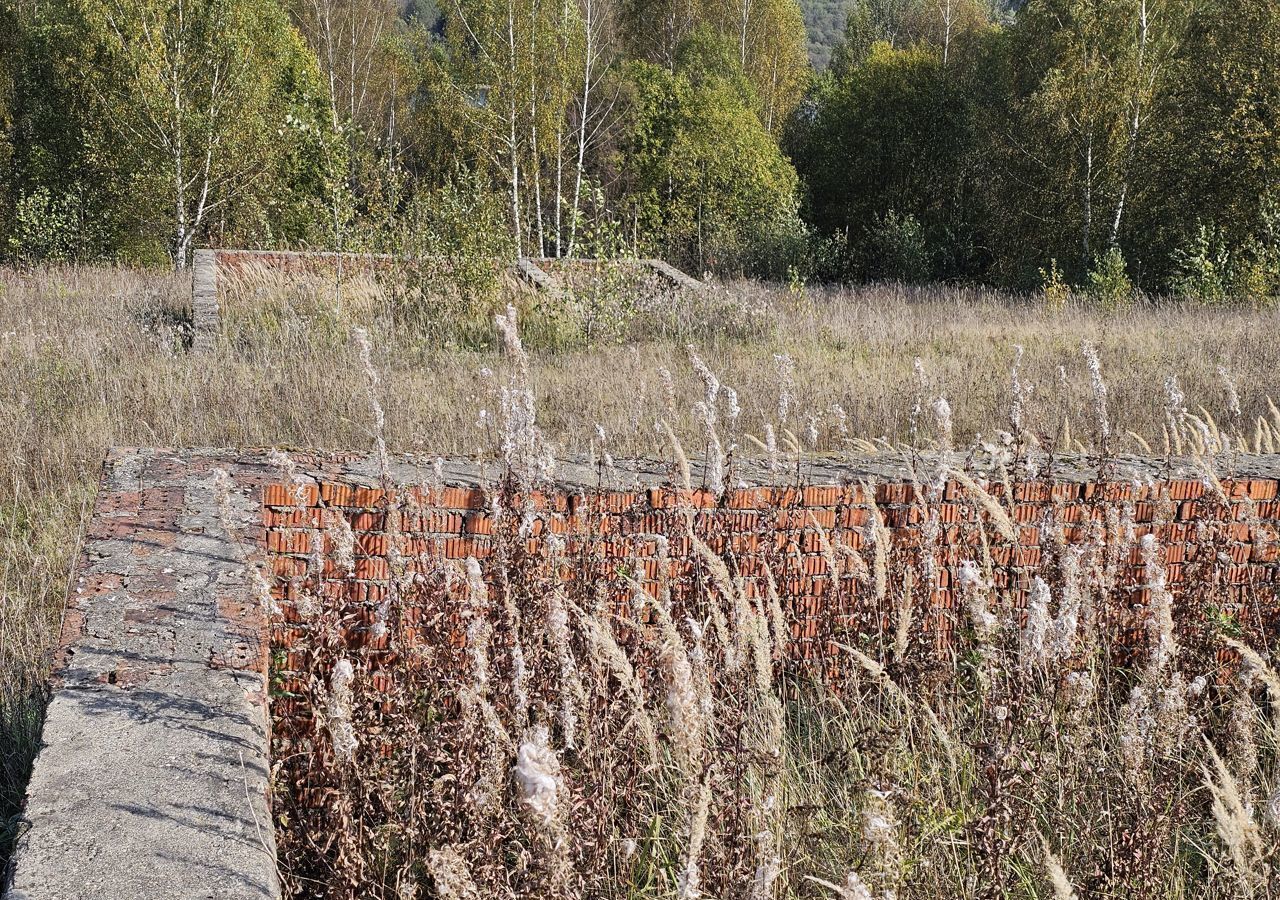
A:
{"x":1109,"y":144}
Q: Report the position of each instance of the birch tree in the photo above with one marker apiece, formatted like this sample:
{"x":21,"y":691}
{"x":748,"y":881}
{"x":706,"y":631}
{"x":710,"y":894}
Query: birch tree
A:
{"x":1153,"y":32}
{"x":591,"y":111}
{"x":197,"y":93}
{"x":514,"y":62}
{"x":489,"y":59}
{"x":775,"y":58}
{"x":656,"y":29}
{"x":351,"y":40}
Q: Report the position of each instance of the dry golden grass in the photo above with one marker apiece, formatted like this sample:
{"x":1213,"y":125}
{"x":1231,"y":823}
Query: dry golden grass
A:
{"x":93,"y":357}
{"x":592,"y":755}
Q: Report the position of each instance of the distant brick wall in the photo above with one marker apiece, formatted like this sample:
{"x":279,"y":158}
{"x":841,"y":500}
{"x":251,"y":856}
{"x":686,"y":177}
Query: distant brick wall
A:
{"x":233,"y":262}
{"x":1219,"y":548}
{"x":215,"y":269}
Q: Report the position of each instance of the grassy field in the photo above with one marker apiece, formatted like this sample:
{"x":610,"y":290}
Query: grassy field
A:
{"x":94,"y":357}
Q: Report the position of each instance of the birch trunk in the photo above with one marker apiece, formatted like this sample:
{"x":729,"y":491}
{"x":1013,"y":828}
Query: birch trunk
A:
{"x":1135,"y":120}
{"x":590,"y":13}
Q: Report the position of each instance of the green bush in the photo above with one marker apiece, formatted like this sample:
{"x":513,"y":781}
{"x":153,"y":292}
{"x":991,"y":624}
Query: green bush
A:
{"x":898,"y":248}
{"x":1255,"y":275}
{"x":779,"y":246}
{"x":47,"y":228}
{"x":1202,"y":268}
{"x":1207,"y":270}
{"x":1108,"y":283}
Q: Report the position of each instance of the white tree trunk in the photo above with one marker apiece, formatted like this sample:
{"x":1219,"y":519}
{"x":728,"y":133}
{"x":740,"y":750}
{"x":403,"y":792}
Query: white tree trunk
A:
{"x":513,"y":143}
{"x":1140,"y":85}
{"x":590,"y":13}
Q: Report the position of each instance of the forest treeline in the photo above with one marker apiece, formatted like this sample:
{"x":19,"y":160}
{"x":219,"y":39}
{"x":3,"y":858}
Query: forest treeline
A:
{"x":1110,"y":144}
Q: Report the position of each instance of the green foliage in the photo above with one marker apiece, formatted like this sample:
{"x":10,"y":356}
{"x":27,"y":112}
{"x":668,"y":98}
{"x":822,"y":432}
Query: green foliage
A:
{"x":48,"y":228}
{"x":703,"y":179}
{"x":455,"y":237}
{"x":1202,"y":268}
{"x":177,"y":120}
{"x":1108,"y":281}
{"x":824,"y":21}
{"x":954,"y":140}
{"x":894,"y":106}
{"x":780,"y":245}
{"x":898,"y":246}
{"x":1216,"y":156}
{"x":901,"y":24}
{"x":1208,"y":271}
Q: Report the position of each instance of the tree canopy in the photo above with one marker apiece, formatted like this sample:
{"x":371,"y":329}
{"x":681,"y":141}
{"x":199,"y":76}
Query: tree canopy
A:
{"x":952,"y":139}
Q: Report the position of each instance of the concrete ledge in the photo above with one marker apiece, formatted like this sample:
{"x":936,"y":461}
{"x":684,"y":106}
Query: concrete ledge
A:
{"x":675,"y":276}
{"x":152,"y":781}
{"x":530,"y":272}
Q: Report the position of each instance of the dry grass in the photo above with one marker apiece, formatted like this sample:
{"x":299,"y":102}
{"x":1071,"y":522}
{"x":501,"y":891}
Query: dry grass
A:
{"x":92,"y":357}
{"x":530,"y":760}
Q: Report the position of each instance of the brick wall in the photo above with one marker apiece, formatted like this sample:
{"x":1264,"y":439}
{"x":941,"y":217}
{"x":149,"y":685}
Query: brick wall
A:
{"x":814,"y":542}
{"x":1217,"y":546}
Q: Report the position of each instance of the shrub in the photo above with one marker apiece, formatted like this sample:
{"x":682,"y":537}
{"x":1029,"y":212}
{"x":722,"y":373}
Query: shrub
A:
{"x":1054,"y":286}
{"x":771,"y":247}
{"x":1255,"y":275}
{"x":1108,"y":282}
{"x":47,"y":228}
{"x":898,"y":248}
{"x":1209,"y":270}
{"x":1201,"y":268}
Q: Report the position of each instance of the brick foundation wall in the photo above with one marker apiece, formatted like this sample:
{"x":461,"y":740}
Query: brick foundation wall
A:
{"x":1218,"y":542}
{"x":812,"y":543}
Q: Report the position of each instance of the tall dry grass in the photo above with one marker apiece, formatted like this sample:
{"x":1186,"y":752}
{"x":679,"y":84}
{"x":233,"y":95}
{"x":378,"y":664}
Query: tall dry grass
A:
{"x":554,"y":743}
{"x":94,"y":357}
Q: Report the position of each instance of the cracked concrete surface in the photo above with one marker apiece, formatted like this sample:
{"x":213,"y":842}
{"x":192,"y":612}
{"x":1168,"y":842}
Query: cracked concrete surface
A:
{"x":152,"y":781}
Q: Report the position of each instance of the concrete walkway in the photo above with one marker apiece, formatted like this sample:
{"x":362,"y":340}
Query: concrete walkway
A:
{"x":152,"y":782}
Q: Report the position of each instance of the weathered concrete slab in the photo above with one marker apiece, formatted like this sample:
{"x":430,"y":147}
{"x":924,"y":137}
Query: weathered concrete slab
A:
{"x":152,"y":782}
{"x":530,"y":272}
{"x":205,"y":317}
{"x":675,"y":276}
{"x":810,"y":469}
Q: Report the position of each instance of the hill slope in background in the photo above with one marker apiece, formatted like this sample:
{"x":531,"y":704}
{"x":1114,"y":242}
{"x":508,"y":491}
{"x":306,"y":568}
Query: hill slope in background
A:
{"x":824,"y":20}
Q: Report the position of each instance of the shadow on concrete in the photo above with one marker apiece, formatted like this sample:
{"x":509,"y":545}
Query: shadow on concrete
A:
{"x":21,"y":719}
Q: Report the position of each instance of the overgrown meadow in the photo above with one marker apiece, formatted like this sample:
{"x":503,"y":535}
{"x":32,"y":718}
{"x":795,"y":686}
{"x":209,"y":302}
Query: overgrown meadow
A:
{"x":984,"y":769}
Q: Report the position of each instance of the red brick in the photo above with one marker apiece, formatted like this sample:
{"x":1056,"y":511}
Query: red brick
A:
{"x":461,"y":498}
